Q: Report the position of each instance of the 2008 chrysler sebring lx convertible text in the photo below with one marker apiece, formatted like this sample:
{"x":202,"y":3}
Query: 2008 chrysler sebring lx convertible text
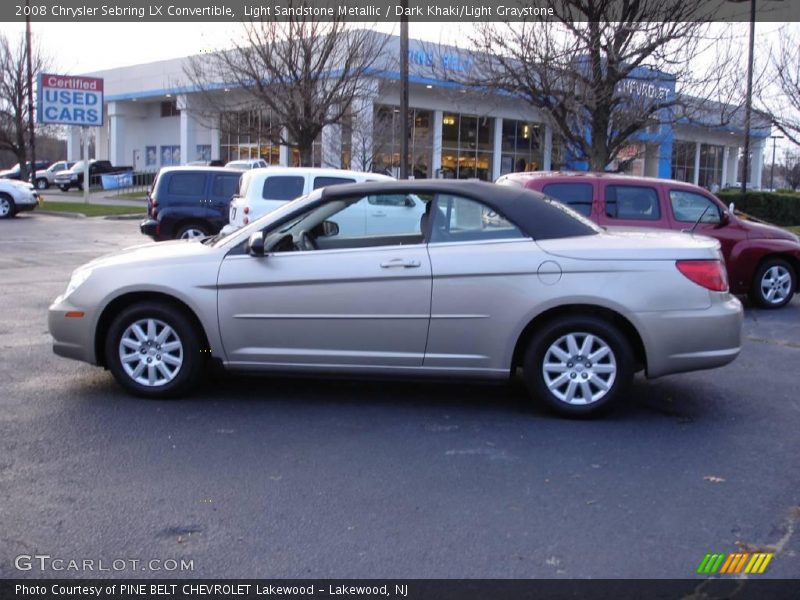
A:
{"x":489,"y":279}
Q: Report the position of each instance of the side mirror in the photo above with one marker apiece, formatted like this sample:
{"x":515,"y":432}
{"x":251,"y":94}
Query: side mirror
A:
{"x":409,"y":202}
{"x":325,"y":229}
{"x":330,"y":228}
{"x":731,"y":207}
{"x":255,"y":245}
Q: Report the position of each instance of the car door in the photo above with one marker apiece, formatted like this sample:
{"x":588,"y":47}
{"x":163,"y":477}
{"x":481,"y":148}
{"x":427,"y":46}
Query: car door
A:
{"x":485,"y":275}
{"x":222,"y":187}
{"x":356,"y":303}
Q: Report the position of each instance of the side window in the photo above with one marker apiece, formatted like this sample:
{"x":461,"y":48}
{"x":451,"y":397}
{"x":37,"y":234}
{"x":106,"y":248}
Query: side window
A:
{"x":187,"y":184}
{"x":456,"y":219}
{"x":283,"y":187}
{"x":578,"y":196}
{"x":326,"y":181}
{"x":688,"y":206}
{"x":633,"y":202}
{"x":224,"y":186}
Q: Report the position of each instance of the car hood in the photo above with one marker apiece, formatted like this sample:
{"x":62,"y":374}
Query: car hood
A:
{"x":177,"y":252}
{"x":18,"y":183}
{"x":634,"y":244}
{"x":764,"y":231}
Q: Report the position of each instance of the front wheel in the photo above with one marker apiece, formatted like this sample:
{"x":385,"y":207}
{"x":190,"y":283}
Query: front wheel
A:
{"x":42,"y":183}
{"x":774,"y":284}
{"x":154,"y":351}
{"x":64,"y":188}
{"x":580,"y":366}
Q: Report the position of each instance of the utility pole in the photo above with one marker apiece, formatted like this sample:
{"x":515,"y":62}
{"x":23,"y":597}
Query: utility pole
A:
{"x":30,"y":92}
{"x":404,"y":92}
{"x":748,"y":107}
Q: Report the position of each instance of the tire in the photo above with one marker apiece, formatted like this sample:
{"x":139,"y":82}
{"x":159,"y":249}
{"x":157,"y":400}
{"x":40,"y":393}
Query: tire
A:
{"x":174,"y":377}
{"x":42,"y":183}
{"x":191,"y":231}
{"x":7,"y":207}
{"x":774,"y":284}
{"x":551,"y":345}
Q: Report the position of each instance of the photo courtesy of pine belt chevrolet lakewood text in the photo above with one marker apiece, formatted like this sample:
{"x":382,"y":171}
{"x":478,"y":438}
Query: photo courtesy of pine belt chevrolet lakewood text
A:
{"x":486,"y":280}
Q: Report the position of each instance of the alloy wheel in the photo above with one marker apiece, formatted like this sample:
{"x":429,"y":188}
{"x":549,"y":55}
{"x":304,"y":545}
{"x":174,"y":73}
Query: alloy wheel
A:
{"x":191,"y":233}
{"x":579,"y":368}
{"x":5,"y":207}
{"x":776,"y":284}
{"x":151,"y":352}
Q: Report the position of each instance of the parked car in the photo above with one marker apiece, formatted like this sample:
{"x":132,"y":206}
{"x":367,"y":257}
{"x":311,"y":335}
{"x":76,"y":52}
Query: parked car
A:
{"x":15,"y":172}
{"x":46,"y":178}
{"x":189,"y":202}
{"x":73,"y":177}
{"x":251,"y":163}
{"x":16,"y":196}
{"x":762,"y":260}
{"x":579,"y":309}
{"x":263,"y":190}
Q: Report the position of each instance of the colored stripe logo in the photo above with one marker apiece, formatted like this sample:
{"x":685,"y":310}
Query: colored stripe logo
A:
{"x":729,"y":564}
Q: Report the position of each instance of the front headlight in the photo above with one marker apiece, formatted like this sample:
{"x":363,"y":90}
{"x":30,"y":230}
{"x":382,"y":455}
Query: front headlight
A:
{"x":78,"y":278}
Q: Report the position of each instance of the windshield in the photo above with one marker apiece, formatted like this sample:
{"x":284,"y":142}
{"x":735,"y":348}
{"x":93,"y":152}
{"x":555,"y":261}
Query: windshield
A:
{"x":276,"y":215}
{"x":78,"y":166}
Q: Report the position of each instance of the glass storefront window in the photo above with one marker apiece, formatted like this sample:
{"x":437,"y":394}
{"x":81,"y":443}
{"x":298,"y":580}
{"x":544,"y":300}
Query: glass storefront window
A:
{"x":710,"y":174}
{"x":683,"y":161}
{"x":386,"y":141}
{"x":521,"y":146}
{"x":467,"y":142}
{"x":249,"y":134}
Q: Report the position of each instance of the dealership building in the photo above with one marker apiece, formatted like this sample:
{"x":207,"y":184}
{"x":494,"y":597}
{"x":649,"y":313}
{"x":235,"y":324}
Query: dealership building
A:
{"x":154,"y":118}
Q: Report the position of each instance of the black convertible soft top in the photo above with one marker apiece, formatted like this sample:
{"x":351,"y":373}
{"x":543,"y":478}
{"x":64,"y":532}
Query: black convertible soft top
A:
{"x":534,"y":213}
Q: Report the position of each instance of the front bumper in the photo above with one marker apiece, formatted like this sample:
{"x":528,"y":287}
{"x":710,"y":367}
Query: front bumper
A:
{"x":28,"y":203}
{"x":72,"y":336}
{"x":692,"y":340}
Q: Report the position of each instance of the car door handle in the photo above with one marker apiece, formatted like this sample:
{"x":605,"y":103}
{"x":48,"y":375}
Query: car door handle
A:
{"x":400,"y":262}
{"x":379,"y":214}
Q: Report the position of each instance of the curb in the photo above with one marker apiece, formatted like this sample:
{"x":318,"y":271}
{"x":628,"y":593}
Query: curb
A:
{"x":58,"y":213}
{"x":130,"y":217}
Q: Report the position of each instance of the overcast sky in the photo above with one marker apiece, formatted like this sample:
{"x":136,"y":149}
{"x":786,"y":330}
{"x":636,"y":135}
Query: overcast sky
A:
{"x":82,"y":47}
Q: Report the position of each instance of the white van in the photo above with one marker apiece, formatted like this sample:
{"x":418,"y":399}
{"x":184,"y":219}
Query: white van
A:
{"x":263,"y":190}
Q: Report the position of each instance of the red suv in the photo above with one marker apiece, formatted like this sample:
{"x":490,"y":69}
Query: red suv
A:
{"x":763,"y":261}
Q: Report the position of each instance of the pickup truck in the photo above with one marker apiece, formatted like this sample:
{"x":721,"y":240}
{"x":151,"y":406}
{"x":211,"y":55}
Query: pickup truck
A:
{"x":74,"y":176}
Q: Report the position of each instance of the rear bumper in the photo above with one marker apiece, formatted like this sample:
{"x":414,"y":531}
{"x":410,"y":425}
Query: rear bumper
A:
{"x":150,"y":227}
{"x":681,"y":341}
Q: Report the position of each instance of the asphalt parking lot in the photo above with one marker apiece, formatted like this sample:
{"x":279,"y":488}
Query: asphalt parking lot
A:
{"x":272,"y":477}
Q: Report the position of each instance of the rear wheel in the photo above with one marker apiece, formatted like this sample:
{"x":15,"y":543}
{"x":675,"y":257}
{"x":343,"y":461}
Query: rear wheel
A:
{"x":580,"y":366}
{"x":191,"y":231}
{"x":7,"y":207}
{"x":153,"y":351}
{"x":774,"y":283}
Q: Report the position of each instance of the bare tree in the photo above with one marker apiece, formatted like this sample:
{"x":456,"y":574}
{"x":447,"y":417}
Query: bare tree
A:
{"x":304,"y":71}
{"x":604,"y":70}
{"x":14,"y":132}
{"x":782,"y":100}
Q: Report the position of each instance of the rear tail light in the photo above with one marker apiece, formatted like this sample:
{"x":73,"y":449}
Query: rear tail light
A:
{"x":246,"y":210}
{"x":709,"y":274}
{"x":245,"y":220}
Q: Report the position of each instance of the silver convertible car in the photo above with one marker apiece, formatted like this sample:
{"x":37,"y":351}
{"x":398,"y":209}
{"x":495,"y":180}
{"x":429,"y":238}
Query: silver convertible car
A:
{"x":489,"y":280}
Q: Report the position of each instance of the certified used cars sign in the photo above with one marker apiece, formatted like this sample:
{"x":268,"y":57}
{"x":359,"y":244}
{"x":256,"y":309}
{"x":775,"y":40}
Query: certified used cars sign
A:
{"x":70,"y":100}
